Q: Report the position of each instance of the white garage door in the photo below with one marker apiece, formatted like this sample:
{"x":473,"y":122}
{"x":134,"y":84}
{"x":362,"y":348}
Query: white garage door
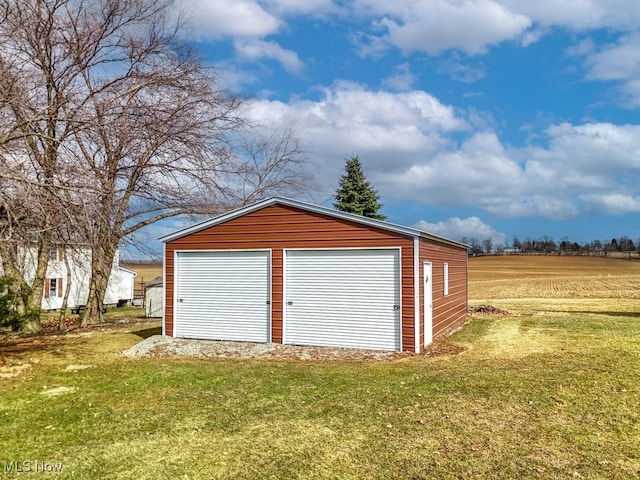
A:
{"x":222,"y":296}
{"x":343,"y":298}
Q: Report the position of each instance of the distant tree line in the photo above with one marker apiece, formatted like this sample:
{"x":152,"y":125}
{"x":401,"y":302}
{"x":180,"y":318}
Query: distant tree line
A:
{"x":618,"y":247}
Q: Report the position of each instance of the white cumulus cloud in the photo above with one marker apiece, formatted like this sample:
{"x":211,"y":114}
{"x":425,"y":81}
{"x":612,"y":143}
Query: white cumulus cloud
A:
{"x":257,"y":50}
{"x":436,"y":25}
{"x":479,"y":172}
{"x":472,"y":26}
{"x":389,"y":131}
{"x":618,"y":62}
{"x":603,"y":147}
{"x":402,"y":79}
{"x":579,"y":15}
{"x":464,"y":229}
{"x":413,"y":147}
{"x":306,"y":7}
{"x":613,"y":203}
{"x":214,"y":19}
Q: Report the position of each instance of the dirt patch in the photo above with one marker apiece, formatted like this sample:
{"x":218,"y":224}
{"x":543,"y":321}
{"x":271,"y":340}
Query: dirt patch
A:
{"x":50,"y":332}
{"x":11,"y":371}
{"x":82,"y":346}
{"x":14,"y":347}
{"x":160,"y":346}
{"x":72,"y":324}
{"x":487,"y":310}
{"x":443,"y":347}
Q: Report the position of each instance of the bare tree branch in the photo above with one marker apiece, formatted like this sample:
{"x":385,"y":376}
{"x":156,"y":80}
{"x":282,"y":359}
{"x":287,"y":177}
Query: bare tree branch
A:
{"x":113,"y":124}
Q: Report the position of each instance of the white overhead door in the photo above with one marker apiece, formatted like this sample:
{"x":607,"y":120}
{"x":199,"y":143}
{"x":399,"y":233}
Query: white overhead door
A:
{"x":222,"y":295}
{"x":343,"y":298}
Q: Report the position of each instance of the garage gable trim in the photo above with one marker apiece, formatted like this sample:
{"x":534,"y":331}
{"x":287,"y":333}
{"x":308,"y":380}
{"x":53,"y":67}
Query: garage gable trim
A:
{"x":412,"y":232}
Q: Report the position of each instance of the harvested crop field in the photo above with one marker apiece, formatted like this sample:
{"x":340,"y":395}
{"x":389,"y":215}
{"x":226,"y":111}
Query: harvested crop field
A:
{"x":145,"y":272}
{"x":531,"y":276}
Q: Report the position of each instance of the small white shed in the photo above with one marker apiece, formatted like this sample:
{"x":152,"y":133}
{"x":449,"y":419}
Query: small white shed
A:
{"x":153,"y":294}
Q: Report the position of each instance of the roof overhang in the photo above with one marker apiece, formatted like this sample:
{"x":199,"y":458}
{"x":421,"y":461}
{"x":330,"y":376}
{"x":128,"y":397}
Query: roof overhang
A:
{"x":126,"y":270}
{"x":350,"y":217}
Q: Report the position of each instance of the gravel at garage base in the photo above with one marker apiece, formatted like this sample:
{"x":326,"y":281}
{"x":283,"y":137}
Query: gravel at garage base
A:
{"x":162,"y":346}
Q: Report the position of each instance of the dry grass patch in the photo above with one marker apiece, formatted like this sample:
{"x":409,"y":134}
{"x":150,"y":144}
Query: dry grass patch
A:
{"x":509,"y":338}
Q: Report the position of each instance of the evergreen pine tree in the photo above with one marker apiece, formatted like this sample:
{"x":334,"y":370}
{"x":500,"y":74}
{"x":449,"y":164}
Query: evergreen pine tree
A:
{"x":355,"y":194}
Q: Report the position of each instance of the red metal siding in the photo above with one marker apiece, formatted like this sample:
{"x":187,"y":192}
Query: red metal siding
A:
{"x":277,"y":270}
{"x":449,"y":311}
{"x":279,"y":227}
{"x":408,"y":298}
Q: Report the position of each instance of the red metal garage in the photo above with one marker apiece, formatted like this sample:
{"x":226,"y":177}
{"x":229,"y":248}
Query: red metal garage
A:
{"x":285,"y":271}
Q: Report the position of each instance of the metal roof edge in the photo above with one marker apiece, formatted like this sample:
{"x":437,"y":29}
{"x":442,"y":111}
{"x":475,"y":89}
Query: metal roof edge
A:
{"x":126,"y":270}
{"x":413,"y":232}
{"x":350,"y":217}
{"x":157,"y":281}
{"x":218,"y":219}
{"x":447,"y":241}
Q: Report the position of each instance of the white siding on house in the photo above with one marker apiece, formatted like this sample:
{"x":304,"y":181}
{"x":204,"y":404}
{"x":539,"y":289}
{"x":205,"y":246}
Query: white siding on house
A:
{"x":120,"y":286}
{"x":79,"y":261}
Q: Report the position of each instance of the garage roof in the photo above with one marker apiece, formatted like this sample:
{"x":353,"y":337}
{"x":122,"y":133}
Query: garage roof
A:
{"x":413,"y":232}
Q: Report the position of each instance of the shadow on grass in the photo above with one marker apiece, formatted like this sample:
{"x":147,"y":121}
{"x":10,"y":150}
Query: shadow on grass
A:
{"x":148,"y":332}
{"x":20,"y":346}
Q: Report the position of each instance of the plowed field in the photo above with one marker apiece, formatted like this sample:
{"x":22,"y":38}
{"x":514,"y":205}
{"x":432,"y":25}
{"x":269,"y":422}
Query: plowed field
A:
{"x":567,"y":283}
{"x":553,"y":277}
{"x":146,"y":271}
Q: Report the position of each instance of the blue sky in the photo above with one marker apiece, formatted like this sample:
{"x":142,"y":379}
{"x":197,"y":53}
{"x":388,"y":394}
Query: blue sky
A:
{"x":475,"y":118}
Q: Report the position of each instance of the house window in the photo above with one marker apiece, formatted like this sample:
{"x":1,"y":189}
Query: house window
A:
{"x":53,"y":288}
{"x":56,"y":255}
{"x":445,"y":272}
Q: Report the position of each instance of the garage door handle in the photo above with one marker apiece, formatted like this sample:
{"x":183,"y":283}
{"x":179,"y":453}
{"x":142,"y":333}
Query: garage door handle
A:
{"x":180,"y":300}
{"x":396,"y":307}
{"x":268,"y":302}
{"x":289,"y":303}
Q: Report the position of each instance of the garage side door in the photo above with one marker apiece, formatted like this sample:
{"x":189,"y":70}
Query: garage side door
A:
{"x":223,"y":295}
{"x":343,"y":298}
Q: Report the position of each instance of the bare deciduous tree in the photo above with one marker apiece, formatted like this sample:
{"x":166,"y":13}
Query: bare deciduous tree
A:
{"x":121,"y":125}
{"x":270,"y":162}
{"x":487,"y":246}
{"x":24,"y":241}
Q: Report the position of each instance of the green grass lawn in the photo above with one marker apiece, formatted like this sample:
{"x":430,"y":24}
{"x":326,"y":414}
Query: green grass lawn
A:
{"x":535,"y":396}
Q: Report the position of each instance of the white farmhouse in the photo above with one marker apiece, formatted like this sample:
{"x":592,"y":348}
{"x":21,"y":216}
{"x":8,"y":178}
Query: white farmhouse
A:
{"x":72,"y":266}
